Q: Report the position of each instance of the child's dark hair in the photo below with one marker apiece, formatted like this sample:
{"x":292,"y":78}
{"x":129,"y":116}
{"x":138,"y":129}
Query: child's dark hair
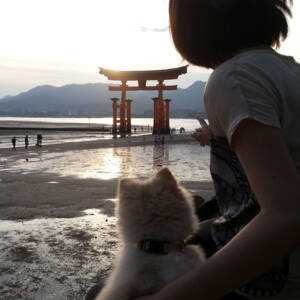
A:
{"x":207,"y":32}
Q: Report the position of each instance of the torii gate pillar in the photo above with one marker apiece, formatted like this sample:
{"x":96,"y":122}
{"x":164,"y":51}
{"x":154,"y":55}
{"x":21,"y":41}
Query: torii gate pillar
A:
{"x":122,"y":128}
{"x":115,"y":115}
{"x":128,"y":109}
{"x":167,"y":115}
{"x":155,"y":116}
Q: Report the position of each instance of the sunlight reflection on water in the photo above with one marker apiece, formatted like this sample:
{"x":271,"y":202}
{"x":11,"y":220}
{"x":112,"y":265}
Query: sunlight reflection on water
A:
{"x":187,"y":162}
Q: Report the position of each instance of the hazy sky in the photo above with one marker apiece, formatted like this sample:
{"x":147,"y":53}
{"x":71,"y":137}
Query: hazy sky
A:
{"x":59,"y":42}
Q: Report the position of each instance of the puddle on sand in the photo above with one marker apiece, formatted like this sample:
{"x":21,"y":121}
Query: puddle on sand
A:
{"x":187,"y":162}
{"x":62,"y":257}
{"x":93,"y":217}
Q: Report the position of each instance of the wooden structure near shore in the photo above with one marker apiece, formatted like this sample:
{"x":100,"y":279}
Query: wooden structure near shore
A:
{"x":161,"y":110}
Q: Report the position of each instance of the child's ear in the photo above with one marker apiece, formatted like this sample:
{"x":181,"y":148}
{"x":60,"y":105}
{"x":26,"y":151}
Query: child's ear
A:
{"x":165,"y":177}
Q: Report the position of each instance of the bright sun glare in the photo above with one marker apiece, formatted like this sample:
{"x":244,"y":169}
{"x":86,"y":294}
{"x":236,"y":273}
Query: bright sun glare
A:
{"x":65,"y":41}
{"x":113,"y":33}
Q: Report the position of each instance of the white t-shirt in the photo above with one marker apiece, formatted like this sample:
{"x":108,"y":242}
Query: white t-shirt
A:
{"x":263,"y":85}
{"x":259,"y":84}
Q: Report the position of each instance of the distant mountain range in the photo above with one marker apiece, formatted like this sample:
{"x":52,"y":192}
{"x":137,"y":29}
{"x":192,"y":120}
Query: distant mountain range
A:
{"x":93,"y":100}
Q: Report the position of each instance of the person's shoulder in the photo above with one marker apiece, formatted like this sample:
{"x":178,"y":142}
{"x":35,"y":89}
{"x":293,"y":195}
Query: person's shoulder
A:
{"x":245,"y":58}
{"x":223,"y":75}
{"x":251,"y":63}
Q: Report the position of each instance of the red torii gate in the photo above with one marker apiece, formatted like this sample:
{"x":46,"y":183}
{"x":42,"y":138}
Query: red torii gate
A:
{"x":161,"y":106}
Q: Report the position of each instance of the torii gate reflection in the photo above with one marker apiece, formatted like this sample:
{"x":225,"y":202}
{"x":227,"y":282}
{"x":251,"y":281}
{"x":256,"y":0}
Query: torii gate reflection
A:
{"x":161,"y":117}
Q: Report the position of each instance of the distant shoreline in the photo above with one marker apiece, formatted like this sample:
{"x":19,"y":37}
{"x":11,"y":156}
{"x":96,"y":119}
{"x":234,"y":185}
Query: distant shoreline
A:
{"x":23,"y":125}
{"x":98,"y":129}
{"x":147,"y":123}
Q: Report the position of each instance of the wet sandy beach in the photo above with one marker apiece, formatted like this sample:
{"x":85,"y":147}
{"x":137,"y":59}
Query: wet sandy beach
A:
{"x":57,"y":229}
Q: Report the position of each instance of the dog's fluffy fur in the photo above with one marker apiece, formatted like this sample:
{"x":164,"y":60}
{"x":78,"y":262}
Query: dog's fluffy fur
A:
{"x":156,"y":209}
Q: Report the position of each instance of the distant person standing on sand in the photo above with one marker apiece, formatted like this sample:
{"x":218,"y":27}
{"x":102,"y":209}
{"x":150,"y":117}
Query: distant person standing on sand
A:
{"x":181,"y":130}
{"x":26,"y":141}
{"x":39,"y":138}
{"x":13,"y":141}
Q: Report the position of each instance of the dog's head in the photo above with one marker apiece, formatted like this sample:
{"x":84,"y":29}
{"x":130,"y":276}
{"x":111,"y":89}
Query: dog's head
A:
{"x":158,"y":208}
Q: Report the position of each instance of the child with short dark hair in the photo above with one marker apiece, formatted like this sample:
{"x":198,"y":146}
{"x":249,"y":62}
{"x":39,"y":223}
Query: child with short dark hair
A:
{"x":252,"y":104}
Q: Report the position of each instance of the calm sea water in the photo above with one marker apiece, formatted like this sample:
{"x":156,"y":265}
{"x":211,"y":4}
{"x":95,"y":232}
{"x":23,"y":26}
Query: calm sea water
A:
{"x":188,"y":124}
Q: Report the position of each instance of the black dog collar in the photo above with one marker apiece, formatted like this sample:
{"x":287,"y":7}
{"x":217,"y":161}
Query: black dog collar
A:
{"x":160,"y":247}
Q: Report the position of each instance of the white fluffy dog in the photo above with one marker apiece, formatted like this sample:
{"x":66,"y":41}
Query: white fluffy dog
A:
{"x":155,"y":217}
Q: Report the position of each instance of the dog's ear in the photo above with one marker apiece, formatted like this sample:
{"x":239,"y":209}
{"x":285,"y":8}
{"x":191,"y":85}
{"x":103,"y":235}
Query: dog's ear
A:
{"x":128,"y":189}
{"x":126,"y":184}
{"x":165,"y":177}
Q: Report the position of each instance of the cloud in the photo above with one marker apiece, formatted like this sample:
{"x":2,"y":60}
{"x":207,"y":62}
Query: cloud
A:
{"x":148,"y":29}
